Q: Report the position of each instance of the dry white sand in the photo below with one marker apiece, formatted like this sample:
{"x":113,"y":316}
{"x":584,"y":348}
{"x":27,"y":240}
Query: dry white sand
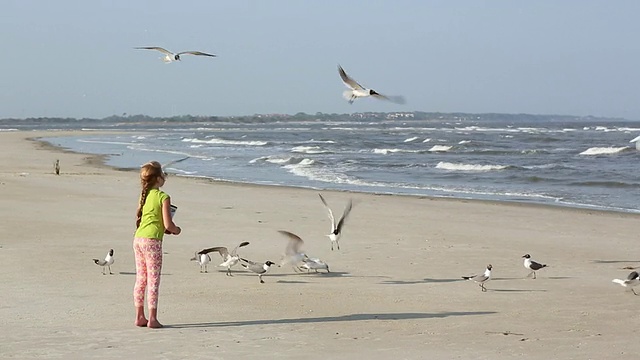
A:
{"x":394,"y":292}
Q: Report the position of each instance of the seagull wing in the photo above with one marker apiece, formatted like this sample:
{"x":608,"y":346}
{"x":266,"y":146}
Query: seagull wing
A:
{"x":348,"y":81}
{"x":346,"y":212}
{"x":220,"y":249}
{"x":293,"y":247}
{"x":234,"y":252}
{"x":195,"y":53}
{"x":175,"y":162}
{"x":162,"y":50}
{"x":633,"y":275}
{"x":394,"y":99}
{"x":329,"y":213}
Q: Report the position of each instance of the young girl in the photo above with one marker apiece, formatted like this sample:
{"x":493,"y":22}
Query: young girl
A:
{"x":153,"y":221}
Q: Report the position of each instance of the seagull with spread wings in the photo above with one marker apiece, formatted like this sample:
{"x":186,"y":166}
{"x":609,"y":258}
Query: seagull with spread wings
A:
{"x":170,"y":56}
{"x":357,"y":91}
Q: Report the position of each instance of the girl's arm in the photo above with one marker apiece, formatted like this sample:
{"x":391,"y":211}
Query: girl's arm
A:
{"x":166,"y":218}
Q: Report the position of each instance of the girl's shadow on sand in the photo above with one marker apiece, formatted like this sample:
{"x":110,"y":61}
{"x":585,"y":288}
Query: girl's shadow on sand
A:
{"x":352,"y":317}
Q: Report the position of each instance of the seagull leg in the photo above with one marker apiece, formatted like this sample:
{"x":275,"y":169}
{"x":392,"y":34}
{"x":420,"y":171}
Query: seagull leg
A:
{"x":260,"y":276}
{"x":634,"y":292}
{"x":103,"y":271}
{"x":338,"y":244}
{"x":110,"y":273}
{"x":229,"y":271}
{"x":534,"y":274}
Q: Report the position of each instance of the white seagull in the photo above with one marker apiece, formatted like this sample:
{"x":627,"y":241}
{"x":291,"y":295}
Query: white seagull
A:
{"x":171,"y":57}
{"x":257,"y":268}
{"x":203,"y":260}
{"x":229,"y":259}
{"x":292,"y":254}
{"x":336,"y":229}
{"x":314,"y":264}
{"x":481,"y":278}
{"x":532,"y":265}
{"x":107,"y":262}
{"x":356,"y":90}
{"x":632,"y":280}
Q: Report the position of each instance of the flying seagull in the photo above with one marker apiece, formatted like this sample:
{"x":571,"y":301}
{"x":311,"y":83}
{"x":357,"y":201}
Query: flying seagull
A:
{"x":292,"y":254}
{"x":229,"y":259}
{"x":106,"y":263}
{"x":356,"y":90}
{"x":257,"y":268}
{"x":632,"y":280}
{"x":171,"y":57}
{"x":481,"y":278}
{"x":532,"y":265}
{"x":336,"y":229}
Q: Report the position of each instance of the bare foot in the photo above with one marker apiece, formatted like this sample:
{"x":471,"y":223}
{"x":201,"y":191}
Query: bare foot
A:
{"x":142,"y":322}
{"x":154,"y":324}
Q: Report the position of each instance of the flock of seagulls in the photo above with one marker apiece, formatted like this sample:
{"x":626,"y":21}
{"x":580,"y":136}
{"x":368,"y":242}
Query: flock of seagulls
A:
{"x":229,"y":259}
{"x":355,"y":89}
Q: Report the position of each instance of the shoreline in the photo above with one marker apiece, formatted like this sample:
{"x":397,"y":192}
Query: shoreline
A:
{"x":99,"y":160}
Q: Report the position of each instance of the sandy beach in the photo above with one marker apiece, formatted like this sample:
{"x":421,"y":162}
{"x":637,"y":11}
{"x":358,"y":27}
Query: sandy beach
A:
{"x":394,"y":292}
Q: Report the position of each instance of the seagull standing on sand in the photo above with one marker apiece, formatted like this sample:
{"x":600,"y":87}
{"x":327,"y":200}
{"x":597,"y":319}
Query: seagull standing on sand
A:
{"x":481,"y":278}
{"x":171,"y":57}
{"x":292,"y":254}
{"x":203,"y":260}
{"x":532,"y":265}
{"x":229,"y":258}
{"x":314,"y":264}
{"x":632,"y":280}
{"x":257,"y":268}
{"x":107,"y":262}
{"x":356,"y":90}
{"x":336,"y":229}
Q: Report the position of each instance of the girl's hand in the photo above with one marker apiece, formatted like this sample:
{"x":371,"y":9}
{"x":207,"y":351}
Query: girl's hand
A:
{"x":177,"y":232}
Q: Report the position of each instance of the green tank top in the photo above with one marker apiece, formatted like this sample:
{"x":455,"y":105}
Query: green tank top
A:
{"x":151,"y":224}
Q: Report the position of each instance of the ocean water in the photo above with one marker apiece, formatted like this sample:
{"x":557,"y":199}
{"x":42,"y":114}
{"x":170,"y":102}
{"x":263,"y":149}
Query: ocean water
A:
{"x":585,"y":164}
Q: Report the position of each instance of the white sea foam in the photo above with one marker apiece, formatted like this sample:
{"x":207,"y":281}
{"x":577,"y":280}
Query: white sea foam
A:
{"x":225,"y":142}
{"x":309,"y":150}
{"x":411,"y":139}
{"x":387,"y":151}
{"x":280,"y":160}
{"x":426,"y":140}
{"x":468,"y":167}
{"x":604,"y":150}
{"x":440,"y":148}
{"x":464,"y":142}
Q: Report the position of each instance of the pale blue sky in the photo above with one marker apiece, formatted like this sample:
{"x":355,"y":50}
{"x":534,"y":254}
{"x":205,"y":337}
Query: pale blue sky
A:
{"x":76,"y":58}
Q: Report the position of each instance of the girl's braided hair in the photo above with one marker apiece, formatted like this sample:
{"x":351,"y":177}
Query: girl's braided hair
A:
{"x":149,"y":174}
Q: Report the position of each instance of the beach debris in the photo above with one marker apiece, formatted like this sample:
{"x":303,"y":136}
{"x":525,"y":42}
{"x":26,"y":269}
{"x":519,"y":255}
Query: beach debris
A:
{"x":257,"y":268}
{"x":481,"y":279}
{"x":336,"y":228}
{"x":532,"y":265}
{"x":632,"y":280}
{"x":106,"y":263}
{"x":229,"y":259}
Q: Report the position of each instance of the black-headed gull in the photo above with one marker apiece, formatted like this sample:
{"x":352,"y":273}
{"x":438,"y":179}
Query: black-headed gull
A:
{"x":532,"y":265}
{"x":257,"y":268}
{"x":336,"y":228}
{"x":632,"y":280}
{"x":481,"y":278}
{"x":106,"y":263}
{"x":356,"y":90}
{"x":169,"y":56}
{"x":229,"y":258}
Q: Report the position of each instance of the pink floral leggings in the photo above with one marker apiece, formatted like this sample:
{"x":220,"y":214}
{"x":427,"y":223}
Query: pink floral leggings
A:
{"x":148,"y":253}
